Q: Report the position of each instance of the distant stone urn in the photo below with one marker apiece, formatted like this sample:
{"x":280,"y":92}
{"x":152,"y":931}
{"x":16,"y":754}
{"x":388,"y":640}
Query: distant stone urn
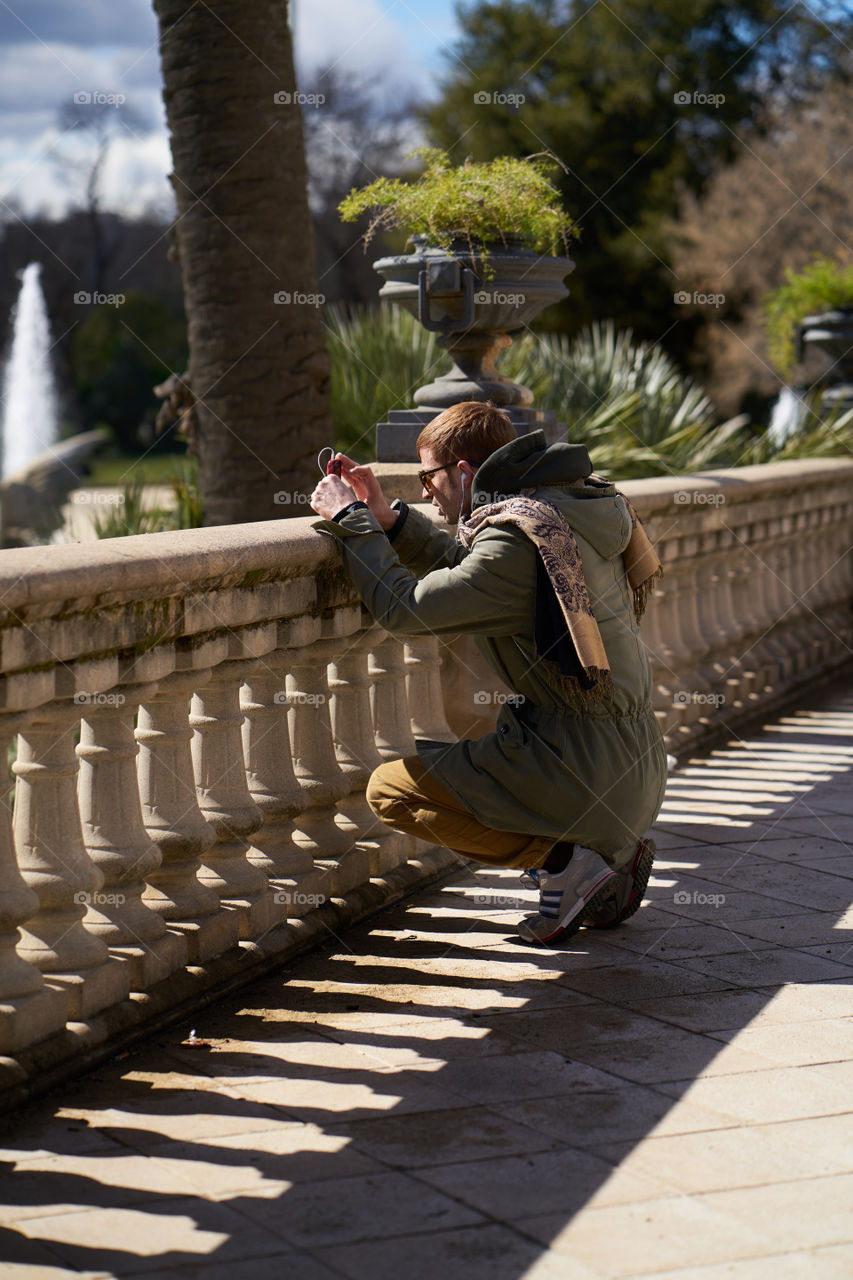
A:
{"x":831,"y":334}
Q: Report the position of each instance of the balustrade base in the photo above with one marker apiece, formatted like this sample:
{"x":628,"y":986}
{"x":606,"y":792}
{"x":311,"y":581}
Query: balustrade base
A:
{"x":27,"y":1019}
{"x":300,"y":894}
{"x":42,"y":1066}
{"x":91,"y":990}
{"x":154,"y":961}
{"x":254,"y":915}
{"x":391,"y":852}
{"x":208,"y":937}
{"x":340,"y":875}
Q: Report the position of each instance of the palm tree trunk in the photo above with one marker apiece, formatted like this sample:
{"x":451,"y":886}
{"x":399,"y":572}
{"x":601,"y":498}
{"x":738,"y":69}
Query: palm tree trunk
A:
{"x":258,"y":363}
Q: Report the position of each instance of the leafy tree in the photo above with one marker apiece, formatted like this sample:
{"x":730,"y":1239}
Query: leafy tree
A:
{"x":119,"y":353}
{"x":785,"y":201}
{"x":640,"y":100}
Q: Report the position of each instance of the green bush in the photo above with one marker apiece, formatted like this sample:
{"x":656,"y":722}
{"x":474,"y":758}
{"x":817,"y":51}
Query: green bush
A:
{"x":824,"y":285}
{"x":133,"y":515}
{"x":472,"y":202}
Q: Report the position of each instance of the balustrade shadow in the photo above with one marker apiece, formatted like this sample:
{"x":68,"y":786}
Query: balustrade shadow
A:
{"x":429,"y":1094}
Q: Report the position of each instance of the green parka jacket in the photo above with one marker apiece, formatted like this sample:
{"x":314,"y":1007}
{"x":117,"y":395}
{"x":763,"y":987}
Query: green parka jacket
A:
{"x":596,"y":777}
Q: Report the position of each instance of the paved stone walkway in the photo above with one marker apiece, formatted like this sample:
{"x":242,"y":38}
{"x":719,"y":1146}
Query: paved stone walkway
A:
{"x":427,"y":1099}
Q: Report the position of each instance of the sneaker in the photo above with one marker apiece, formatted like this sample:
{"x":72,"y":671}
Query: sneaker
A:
{"x":565,"y":897}
{"x":631,"y":886}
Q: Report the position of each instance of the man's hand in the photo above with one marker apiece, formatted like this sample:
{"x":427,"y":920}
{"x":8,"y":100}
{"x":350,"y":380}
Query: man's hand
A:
{"x":331,"y":496}
{"x":368,"y":489}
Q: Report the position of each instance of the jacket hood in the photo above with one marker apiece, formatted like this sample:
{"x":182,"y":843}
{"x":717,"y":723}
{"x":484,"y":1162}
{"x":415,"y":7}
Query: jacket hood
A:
{"x":560,"y":474}
{"x":528,"y":462}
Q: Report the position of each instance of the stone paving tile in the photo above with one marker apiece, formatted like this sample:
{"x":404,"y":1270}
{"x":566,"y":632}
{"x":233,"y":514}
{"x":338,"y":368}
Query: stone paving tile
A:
{"x":788,"y":1266}
{"x":789,"y":848}
{"x":680,"y":941}
{"x":761,"y":1097}
{"x":804,"y":1213}
{"x":827,"y":826}
{"x":478,"y":1253}
{"x":762,"y":967}
{"x":725,"y":1159}
{"x":650,"y":1237}
{"x":289,"y":1153}
{"x":298,"y":1265}
{"x":639,"y":977}
{"x":808,"y":930}
{"x":829,"y":1040}
{"x":176,"y":1232}
{"x":704,"y":907}
{"x":629,"y":1045}
{"x":427,"y":1138}
{"x":586,"y":1120}
{"x":721,"y":1011}
{"x":544,"y":1182}
{"x":434,"y":1040}
{"x":344,"y":1210}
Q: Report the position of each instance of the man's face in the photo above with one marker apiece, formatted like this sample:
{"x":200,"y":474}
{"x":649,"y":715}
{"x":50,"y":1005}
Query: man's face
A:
{"x":444,"y":490}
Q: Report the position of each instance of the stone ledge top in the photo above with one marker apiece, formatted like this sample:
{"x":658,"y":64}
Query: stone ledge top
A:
{"x":224,"y":556}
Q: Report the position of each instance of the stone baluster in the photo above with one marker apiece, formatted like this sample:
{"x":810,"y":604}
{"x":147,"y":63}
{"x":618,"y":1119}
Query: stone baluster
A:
{"x":29,"y":1010}
{"x":423,"y":689}
{"x":224,"y":800}
{"x":273,"y":786}
{"x":778,"y":600}
{"x":722,"y":664}
{"x":684,"y":644}
{"x":54,"y":862}
{"x":173,"y":819}
{"x":754,"y":579}
{"x":355,"y":747}
{"x":117,"y":842}
{"x":321,"y":829}
{"x":392,"y":724}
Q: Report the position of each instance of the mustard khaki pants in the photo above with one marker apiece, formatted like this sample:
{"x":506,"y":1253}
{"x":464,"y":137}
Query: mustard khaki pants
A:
{"x":405,"y":796}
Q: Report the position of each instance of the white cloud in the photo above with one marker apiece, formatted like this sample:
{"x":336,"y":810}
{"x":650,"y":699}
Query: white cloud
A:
{"x":56,"y":49}
{"x":357,"y":36}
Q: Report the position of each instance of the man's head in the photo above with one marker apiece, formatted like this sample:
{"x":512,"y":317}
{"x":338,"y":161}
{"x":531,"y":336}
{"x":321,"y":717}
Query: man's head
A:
{"x":453,"y":446}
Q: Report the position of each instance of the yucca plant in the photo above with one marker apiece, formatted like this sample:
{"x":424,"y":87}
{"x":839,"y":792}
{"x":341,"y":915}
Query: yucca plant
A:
{"x":626,"y":400}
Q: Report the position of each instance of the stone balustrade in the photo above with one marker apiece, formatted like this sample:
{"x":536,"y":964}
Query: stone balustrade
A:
{"x":191,"y":720}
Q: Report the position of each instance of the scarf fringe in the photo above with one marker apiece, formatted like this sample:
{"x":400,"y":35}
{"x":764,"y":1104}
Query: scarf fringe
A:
{"x":576,"y":695}
{"x":643,"y":593}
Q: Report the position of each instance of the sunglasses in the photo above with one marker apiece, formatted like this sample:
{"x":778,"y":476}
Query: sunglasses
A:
{"x":425,"y":477}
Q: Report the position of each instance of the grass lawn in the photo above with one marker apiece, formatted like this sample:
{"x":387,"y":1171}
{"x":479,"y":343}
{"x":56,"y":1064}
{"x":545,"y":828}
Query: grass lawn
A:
{"x":153,"y":468}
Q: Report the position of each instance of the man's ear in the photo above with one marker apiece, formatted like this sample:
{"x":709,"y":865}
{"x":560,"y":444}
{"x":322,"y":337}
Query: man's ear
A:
{"x":466,"y":469}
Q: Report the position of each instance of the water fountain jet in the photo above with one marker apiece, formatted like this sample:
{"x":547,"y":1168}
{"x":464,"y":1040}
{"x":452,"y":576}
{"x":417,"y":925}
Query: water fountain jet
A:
{"x":29,"y":393}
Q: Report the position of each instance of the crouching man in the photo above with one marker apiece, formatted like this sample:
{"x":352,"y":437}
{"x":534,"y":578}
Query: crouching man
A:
{"x":549,"y":570}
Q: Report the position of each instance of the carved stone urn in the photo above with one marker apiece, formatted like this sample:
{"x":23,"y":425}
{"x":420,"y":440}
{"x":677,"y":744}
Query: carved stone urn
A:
{"x":831,"y":334}
{"x":476,"y":301}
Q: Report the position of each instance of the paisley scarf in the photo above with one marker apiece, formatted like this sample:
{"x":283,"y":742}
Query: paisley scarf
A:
{"x":566,"y":634}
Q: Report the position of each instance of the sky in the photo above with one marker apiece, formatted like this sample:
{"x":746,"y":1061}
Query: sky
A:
{"x":52,"y":50}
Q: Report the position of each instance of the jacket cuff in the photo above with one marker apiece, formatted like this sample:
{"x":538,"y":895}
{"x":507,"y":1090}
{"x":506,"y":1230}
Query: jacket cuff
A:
{"x":354,"y":519}
{"x":352,"y":506}
{"x":402,"y":512}
{"x":413,"y":534}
